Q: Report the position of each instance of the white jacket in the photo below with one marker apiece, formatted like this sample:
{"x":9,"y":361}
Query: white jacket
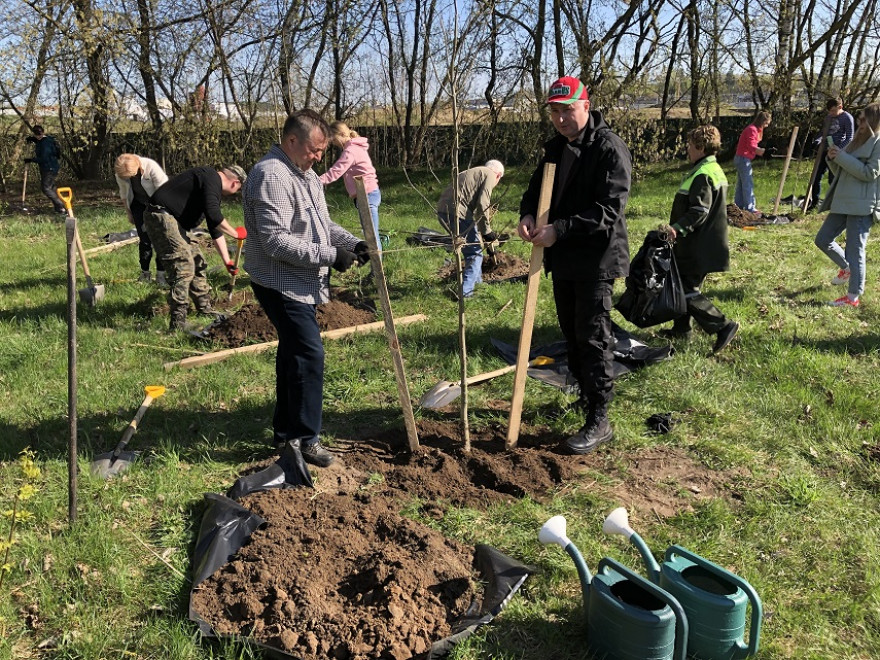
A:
{"x":153,"y":176}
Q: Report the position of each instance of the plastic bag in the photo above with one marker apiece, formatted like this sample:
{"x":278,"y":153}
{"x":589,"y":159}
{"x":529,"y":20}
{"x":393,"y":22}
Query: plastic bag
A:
{"x":653,"y":292}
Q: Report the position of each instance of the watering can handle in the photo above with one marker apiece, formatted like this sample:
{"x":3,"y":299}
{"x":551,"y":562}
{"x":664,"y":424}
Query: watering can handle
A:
{"x":681,"y":622}
{"x":757,"y":610}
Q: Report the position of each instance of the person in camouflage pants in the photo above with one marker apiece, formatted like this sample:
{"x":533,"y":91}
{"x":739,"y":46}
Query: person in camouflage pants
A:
{"x":178,"y":207}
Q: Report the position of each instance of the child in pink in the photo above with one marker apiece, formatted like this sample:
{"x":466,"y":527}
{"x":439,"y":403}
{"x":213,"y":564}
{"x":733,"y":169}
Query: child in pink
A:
{"x":354,"y":161}
{"x":746,"y":150}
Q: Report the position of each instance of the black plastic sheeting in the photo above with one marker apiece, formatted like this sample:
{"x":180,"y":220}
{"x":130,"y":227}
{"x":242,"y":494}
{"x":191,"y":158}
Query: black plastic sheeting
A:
{"x":629,"y":354}
{"x":226,"y":526}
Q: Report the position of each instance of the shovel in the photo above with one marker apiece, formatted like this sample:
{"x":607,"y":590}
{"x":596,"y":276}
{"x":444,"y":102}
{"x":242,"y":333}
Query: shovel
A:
{"x":444,"y":392}
{"x":112,"y":463}
{"x":235,"y":261}
{"x":92,"y":293}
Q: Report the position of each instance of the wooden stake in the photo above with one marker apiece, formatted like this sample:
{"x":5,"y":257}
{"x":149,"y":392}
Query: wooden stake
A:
{"x":791,"y":142}
{"x":390,"y":332}
{"x":219,"y":356}
{"x":525,"y":336}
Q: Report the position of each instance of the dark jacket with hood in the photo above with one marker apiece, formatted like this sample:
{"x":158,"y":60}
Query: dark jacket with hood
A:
{"x":699,"y":217}
{"x":587,"y":209}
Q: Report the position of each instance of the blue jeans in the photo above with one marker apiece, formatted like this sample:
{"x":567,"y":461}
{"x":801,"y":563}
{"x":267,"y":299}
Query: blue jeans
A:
{"x":299,"y":367}
{"x":472,"y":251}
{"x":817,"y":183}
{"x":857,"y":228}
{"x":744,"y":196}
{"x":373,"y":200}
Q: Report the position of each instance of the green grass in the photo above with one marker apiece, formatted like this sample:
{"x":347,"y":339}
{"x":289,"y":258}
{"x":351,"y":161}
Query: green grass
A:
{"x":784,"y":418}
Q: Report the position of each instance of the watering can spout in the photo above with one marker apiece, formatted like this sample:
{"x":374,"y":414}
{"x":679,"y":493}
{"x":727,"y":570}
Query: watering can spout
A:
{"x":554,"y":531}
{"x":617,"y":522}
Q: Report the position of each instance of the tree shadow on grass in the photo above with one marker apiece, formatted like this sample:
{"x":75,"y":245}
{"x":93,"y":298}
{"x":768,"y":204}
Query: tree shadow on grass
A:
{"x":852,"y":345}
{"x":100,"y":315}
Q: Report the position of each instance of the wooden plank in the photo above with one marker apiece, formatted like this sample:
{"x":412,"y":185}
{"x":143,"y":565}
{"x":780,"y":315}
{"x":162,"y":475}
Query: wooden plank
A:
{"x":525,"y":336}
{"x":791,"y":142}
{"x":113,"y":246}
{"x":218,"y":356}
{"x":385,"y":301}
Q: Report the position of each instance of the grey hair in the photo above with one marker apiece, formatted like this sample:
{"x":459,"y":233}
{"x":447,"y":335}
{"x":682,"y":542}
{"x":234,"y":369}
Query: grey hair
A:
{"x":495,"y":166}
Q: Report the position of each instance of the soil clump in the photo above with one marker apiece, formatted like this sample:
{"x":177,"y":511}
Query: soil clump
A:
{"x":508,"y":267}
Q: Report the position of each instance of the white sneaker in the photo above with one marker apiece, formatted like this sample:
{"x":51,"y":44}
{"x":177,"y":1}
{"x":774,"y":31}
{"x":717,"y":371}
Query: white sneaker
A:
{"x":160,"y":279}
{"x":144,"y":276}
{"x":842,"y":277}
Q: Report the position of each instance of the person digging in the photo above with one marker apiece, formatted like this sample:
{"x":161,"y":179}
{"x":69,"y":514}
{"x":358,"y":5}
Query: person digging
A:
{"x":699,"y":228}
{"x":178,"y":207}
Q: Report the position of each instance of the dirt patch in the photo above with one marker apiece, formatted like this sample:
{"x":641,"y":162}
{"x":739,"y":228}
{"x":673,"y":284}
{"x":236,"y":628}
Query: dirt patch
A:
{"x":507,"y":267}
{"x":251,"y":325}
{"x":741,"y":218}
{"x":339,"y":573}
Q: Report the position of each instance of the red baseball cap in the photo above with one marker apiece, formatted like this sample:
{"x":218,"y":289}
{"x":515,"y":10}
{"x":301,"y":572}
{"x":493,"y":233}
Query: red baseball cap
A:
{"x":567,"y":90}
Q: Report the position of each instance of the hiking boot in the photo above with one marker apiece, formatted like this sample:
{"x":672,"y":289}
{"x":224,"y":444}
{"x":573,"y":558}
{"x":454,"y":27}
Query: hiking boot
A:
{"x":160,"y":279}
{"x":725,"y":336}
{"x":317,"y":455}
{"x":845,"y":301}
{"x":592,"y":434}
{"x":842,"y":277}
{"x":144,"y":276}
{"x":177,"y":320}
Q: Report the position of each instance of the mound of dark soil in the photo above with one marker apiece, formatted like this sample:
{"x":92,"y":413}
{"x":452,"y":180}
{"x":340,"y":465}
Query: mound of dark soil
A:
{"x":507,"y":267}
{"x":339,"y":573}
{"x":250,"y":324}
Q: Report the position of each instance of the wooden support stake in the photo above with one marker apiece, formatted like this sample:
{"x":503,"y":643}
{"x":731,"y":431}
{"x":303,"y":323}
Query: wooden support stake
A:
{"x":525,"y":336}
{"x":390,"y":332}
{"x":113,"y":246}
{"x":791,"y":142}
{"x":219,"y":356}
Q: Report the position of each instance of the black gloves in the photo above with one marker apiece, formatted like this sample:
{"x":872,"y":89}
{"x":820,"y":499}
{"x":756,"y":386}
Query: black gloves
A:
{"x":769,"y":152}
{"x":344,"y":259}
{"x":362,"y":250}
{"x":31,"y":139}
{"x":491,"y":237}
{"x":30,"y":160}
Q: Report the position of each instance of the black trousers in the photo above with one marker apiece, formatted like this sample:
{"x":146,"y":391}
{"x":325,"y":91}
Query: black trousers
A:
{"x":699,"y":307}
{"x":47,"y":185}
{"x":145,"y":246}
{"x":584,"y":312}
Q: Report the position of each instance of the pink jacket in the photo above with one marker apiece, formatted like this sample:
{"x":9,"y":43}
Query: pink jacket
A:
{"x":748,"y":141}
{"x":354,"y":161}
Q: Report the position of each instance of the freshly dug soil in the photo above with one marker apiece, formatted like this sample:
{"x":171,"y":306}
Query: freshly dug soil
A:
{"x":339,"y":573}
{"x":250,"y":325}
{"x":741,"y":218}
{"x":508,"y":267}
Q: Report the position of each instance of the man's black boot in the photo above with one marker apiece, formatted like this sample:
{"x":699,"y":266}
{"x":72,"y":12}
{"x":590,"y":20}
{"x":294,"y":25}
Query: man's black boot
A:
{"x":593,"y":433}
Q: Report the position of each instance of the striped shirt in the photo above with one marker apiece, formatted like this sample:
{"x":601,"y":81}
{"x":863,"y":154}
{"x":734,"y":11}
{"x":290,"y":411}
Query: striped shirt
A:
{"x":291,"y":239}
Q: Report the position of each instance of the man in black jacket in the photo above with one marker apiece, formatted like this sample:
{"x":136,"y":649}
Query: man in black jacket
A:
{"x":699,"y":223}
{"x":46,"y":155}
{"x":586,"y":244}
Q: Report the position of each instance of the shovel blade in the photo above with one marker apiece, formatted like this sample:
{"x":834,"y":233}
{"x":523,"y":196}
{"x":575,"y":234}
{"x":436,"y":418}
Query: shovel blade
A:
{"x":107,"y":466}
{"x":92,"y":294}
{"x":441,"y":395}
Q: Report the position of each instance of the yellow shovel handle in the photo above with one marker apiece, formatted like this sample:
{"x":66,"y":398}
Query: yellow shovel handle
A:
{"x":66,"y":195}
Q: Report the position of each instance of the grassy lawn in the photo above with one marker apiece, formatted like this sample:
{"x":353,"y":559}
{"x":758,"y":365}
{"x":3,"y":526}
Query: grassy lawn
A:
{"x":787,"y":418}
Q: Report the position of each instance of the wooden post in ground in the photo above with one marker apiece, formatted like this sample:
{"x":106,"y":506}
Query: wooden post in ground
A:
{"x":525,"y":335}
{"x":791,"y":142}
{"x":390,"y":332}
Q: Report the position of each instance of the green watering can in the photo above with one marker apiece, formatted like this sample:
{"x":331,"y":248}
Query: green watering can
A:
{"x":714,"y":599}
{"x":628,"y":618}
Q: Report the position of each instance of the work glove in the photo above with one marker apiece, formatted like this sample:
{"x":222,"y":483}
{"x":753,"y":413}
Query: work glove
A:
{"x":231,"y":268}
{"x":240,"y":233}
{"x":30,"y":139}
{"x":344,"y":259}
{"x":30,"y":160}
{"x":769,"y":152}
{"x":491,"y":237}
{"x":362,"y":250}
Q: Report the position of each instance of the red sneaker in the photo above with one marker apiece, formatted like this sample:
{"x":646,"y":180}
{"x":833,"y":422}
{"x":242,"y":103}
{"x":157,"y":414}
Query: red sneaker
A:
{"x":843,"y":301}
{"x":842,"y":277}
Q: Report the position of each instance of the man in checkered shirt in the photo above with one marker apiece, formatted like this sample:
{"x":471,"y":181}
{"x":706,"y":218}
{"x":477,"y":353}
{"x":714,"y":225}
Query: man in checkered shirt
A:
{"x":292,"y":245}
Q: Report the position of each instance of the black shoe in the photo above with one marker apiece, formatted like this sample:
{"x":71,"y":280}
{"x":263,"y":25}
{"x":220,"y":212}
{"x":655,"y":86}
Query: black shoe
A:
{"x":675,"y":335}
{"x":591,"y":435}
{"x":317,"y":455}
{"x":725,"y":336}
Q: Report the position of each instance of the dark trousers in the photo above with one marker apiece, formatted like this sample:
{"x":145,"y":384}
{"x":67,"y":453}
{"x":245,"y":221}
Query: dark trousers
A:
{"x":299,"y":366}
{"x":699,"y":307}
{"x":145,"y":246}
{"x":47,"y":185}
{"x":817,"y":182}
{"x":584,"y":313}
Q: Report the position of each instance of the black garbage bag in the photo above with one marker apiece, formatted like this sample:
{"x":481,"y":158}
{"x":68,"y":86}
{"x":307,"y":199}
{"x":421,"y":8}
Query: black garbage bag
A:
{"x":653,"y":292}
